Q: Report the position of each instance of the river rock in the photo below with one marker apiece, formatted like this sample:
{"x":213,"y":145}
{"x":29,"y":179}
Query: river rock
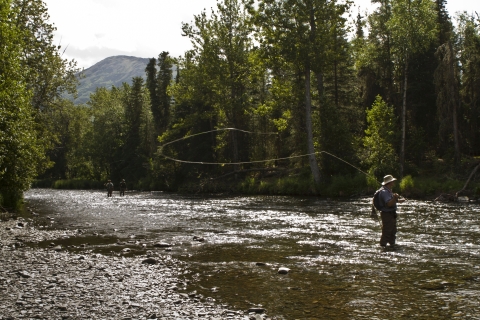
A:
{"x":24,"y":274}
{"x":162,"y":245}
{"x":257,"y":310}
{"x":283,"y":270}
{"x":150,"y":261}
{"x":199,"y":239}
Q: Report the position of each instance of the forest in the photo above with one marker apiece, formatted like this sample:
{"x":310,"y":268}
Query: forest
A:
{"x":275,"y":97}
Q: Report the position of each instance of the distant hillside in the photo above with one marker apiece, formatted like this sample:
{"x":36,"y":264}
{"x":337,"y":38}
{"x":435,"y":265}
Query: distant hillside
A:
{"x":112,"y":71}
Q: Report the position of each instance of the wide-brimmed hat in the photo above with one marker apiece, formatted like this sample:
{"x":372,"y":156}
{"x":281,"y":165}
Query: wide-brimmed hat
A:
{"x":387,"y":179}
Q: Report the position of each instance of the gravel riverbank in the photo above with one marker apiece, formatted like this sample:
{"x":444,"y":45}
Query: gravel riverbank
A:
{"x":51,"y":283}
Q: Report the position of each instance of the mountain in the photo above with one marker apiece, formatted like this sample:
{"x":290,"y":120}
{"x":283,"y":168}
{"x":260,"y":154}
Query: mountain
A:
{"x":112,"y":71}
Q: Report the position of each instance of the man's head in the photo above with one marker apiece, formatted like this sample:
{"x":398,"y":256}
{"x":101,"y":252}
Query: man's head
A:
{"x":388,"y":180}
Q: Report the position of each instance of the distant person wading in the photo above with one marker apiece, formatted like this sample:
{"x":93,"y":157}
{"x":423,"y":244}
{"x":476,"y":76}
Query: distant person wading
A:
{"x":387,"y":204}
{"x":109,"y":186}
{"x":123,"y":187}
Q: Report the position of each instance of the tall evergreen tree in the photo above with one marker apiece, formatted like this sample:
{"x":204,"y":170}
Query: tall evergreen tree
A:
{"x":164,"y":79}
{"x":151,"y":84}
{"x":134,"y":105}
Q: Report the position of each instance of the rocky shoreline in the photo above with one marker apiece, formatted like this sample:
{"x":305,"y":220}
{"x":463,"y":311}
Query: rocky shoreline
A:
{"x":50,"y":283}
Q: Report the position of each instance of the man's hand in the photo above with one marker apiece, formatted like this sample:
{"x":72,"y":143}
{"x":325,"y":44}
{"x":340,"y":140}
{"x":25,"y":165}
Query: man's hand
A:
{"x":397,"y":198}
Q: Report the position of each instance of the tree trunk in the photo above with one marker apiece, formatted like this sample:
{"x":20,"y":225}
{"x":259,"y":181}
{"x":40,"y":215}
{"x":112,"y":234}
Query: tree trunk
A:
{"x":404,"y":117}
{"x":308,"y":122}
{"x":454,"y":92}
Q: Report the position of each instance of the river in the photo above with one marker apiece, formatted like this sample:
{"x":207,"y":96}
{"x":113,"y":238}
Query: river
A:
{"x":337,"y":268}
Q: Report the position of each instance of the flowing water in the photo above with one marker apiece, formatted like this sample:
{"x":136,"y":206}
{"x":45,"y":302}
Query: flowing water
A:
{"x":337,"y":268}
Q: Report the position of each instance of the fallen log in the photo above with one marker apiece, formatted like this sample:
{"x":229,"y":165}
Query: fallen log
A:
{"x":468,"y":181}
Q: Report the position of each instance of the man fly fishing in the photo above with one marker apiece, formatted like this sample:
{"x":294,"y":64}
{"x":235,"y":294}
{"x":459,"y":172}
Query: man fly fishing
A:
{"x":386,"y":201}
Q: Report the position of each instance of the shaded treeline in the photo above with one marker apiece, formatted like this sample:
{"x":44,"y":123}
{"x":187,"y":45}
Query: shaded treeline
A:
{"x":396,"y":97}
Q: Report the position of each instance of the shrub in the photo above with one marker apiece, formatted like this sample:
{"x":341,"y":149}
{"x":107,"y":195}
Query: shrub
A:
{"x":407,"y":185}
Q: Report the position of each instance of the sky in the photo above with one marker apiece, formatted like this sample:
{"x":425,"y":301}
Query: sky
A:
{"x":91,"y":30}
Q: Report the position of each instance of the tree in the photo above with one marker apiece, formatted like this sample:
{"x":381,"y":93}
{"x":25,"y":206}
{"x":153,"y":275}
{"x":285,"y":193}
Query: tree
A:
{"x":380,"y":139}
{"x":108,"y":132}
{"x":413,"y":27}
{"x":152,"y":86}
{"x":164,"y":79}
{"x":70,"y":154}
{"x":136,"y":150}
{"x":447,"y":83}
{"x":48,"y":75}
{"x":21,"y":152}
{"x":285,"y":32}
{"x":374,"y":62}
{"x":33,"y":77}
{"x":221,"y":46}
{"x":469,"y":56}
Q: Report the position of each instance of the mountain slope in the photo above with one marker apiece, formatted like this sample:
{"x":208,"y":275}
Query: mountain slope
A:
{"x":112,"y":71}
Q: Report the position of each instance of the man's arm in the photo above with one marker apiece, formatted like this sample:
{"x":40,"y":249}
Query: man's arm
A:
{"x":394,"y":200}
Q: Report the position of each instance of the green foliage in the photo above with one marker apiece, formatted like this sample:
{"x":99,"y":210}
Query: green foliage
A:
{"x":21,"y":151}
{"x":161,"y":111}
{"x":70,"y":152}
{"x":78,"y":184}
{"x":298,"y":185}
{"x":407,"y":185}
{"x":432,"y":186}
{"x":469,"y":56}
{"x":380,"y":138}
{"x":346,"y":185}
{"x":413,"y":25}
{"x":371,"y":180}
{"x":108,"y":131}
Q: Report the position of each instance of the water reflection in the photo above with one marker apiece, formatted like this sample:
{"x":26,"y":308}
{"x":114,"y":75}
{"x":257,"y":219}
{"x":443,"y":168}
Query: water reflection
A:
{"x":338,"y":270}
